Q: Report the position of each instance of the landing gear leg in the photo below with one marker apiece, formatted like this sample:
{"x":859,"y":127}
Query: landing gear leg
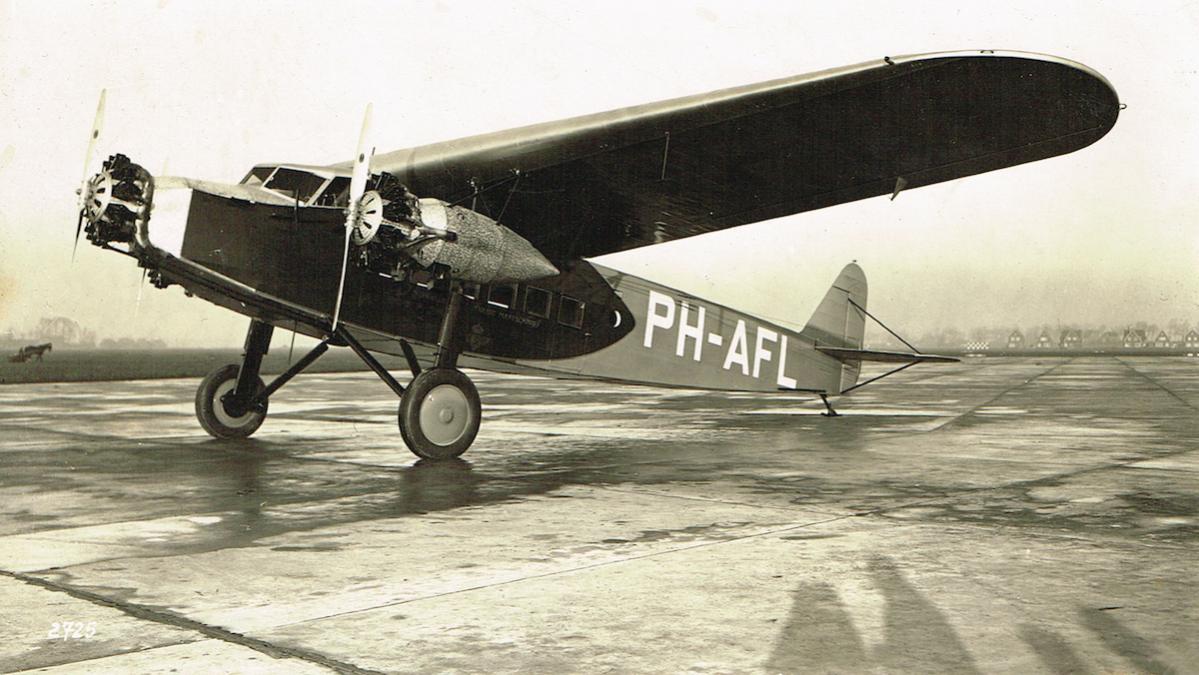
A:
{"x":440,"y":411}
{"x":829,"y":412}
{"x":225,"y":401}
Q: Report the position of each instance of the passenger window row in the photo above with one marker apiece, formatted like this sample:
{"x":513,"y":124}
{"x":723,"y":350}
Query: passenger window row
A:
{"x":531,"y":300}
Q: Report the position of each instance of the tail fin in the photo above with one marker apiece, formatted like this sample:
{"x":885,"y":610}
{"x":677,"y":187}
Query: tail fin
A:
{"x":837,"y":323}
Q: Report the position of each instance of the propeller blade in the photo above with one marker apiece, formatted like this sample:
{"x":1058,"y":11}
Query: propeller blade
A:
{"x":341,"y":284}
{"x":137,"y":308}
{"x":362,"y":162}
{"x":362,"y":167}
{"x":88,"y":160}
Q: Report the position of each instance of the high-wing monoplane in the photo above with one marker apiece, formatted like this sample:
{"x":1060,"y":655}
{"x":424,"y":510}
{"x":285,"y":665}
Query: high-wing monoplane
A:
{"x":477,"y":252}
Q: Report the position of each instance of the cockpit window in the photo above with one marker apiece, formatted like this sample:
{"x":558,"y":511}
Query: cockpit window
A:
{"x":298,"y":184}
{"x":335,"y":194}
{"x":257,"y":175}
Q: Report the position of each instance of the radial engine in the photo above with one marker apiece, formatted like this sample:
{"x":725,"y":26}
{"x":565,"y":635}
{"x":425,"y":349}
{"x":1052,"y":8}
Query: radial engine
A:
{"x":393,"y":229}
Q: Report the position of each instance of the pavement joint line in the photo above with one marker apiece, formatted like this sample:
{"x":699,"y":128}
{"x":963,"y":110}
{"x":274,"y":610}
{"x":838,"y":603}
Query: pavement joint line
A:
{"x":755,"y":535}
{"x":271,"y":649}
{"x":171,"y":619}
{"x":60,"y":432}
{"x":1021,"y":483}
{"x":47,"y":534}
{"x":113,"y":654}
{"x":1157,"y":384}
{"x":832,"y":516}
{"x":1000,"y":395}
{"x":581,"y":568}
{"x":327,"y":418}
{"x":1109,"y":539}
{"x":711,"y":500}
{"x":108,"y":437}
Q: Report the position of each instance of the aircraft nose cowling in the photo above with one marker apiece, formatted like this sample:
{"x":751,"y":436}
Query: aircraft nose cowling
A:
{"x":165,"y":228}
{"x":484,"y":251}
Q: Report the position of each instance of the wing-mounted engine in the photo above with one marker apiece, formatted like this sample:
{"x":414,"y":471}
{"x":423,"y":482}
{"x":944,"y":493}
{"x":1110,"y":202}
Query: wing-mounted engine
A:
{"x":396,"y":231}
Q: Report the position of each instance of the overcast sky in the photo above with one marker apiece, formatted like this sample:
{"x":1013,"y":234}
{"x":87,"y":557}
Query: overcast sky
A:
{"x":1103,"y":235}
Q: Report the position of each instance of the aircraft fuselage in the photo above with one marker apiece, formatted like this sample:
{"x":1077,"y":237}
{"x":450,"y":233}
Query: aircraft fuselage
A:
{"x":278,"y":262}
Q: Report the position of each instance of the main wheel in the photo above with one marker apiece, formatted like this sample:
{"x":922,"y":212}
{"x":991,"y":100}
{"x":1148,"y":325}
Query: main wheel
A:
{"x":440,"y":414}
{"x":211,"y":412}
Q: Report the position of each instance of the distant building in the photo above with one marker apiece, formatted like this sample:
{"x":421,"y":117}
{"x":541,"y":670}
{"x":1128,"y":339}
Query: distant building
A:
{"x":1162,"y":341}
{"x":1015,"y":340}
{"x":1191,"y":340}
{"x":1044,"y":341}
{"x":1134,"y":338}
{"x":974,"y":346}
{"x":1070,"y":339}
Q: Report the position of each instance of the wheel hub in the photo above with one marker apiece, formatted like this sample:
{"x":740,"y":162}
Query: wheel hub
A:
{"x":223,"y":391}
{"x":445,"y":414}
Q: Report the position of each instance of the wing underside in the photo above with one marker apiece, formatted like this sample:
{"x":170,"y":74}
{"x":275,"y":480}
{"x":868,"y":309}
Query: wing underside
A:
{"x":658,"y":172}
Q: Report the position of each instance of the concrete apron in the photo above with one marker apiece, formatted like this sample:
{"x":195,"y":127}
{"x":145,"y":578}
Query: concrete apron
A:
{"x":1004,"y":515}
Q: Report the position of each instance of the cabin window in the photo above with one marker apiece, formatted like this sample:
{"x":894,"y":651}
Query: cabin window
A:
{"x":258,"y":175}
{"x":470,"y":290}
{"x":537,"y":302}
{"x":298,"y":184}
{"x":570,"y":312}
{"x":502,"y":295}
{"x":336,"y":193}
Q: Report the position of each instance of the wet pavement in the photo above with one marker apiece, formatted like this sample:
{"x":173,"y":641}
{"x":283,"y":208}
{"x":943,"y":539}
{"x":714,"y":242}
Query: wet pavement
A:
{"x":999,"y":515}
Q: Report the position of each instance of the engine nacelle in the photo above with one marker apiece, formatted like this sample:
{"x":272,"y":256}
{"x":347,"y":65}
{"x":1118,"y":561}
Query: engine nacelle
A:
{"x":480,"y":249}
{"x":398,"y":230}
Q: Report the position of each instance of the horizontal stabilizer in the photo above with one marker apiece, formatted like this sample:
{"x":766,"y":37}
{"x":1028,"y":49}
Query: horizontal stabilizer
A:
{"x":846,"y":354}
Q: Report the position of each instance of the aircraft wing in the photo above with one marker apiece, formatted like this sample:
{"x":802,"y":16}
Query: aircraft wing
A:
{"x":652,"y":173}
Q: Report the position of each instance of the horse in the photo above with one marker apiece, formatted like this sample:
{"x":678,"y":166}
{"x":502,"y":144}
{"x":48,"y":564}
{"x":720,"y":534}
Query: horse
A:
{"x":29,"y":351}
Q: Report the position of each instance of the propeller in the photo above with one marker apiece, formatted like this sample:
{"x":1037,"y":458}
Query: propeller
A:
{"x":95,"y":192}
{"x":354,"y":211}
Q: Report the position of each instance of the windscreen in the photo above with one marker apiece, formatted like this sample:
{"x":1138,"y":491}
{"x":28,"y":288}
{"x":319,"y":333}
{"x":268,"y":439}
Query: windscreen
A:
{"x":299,"y":184}
{"x":336,"y":194}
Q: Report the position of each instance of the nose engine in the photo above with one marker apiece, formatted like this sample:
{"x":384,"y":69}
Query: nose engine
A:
{"x":116,"y":202}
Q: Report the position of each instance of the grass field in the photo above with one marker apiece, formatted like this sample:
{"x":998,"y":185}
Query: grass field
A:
{"x":86,"y":365}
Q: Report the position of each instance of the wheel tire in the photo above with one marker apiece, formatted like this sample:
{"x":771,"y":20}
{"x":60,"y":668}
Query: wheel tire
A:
{"x":211,"y":412}
{"x":440,"y":414}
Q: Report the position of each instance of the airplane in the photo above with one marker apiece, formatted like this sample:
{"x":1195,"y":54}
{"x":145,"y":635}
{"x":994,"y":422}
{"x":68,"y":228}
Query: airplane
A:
{"x":477,"y":253}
